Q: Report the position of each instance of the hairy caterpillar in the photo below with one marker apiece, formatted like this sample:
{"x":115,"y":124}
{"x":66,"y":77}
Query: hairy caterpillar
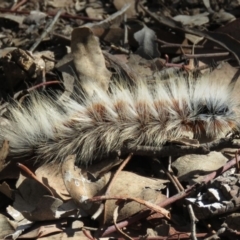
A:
{"x":143,"y":114}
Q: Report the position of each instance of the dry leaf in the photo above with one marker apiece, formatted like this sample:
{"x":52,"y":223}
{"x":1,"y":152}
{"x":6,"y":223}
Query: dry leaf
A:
{"x":192,"y":165}
{"x":52,"y":178}
{"x":19,"y":223}
{"x":191,"y":21}
{"x":127,"y":185}
{"x":148,"y":47}
{"x":6,"y":190}
{"x":32,"y":200}
{"x":131,"y":12}
{"x":35,"y":17}
{"x":5,"y":227}
{"x":88,"y":59}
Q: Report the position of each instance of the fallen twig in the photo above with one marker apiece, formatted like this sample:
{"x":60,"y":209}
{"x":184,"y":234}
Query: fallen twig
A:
{"x":47,"y":31}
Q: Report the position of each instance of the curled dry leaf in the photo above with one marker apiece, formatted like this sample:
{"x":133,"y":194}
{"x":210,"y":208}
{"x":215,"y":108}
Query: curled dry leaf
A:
{"x":126,"y":185}
{"x":88,"y":59}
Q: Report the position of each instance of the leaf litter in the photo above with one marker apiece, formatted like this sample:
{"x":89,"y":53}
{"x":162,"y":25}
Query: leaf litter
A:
{"x":56,"y":46}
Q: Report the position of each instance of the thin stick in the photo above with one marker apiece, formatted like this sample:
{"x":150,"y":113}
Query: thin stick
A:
{"x":115,"y":214}
{"x":18,"y":5}
{"x":193,"y":222}
{"x":47,"y":31}
{"x":101,"y":207}
{"x":207,"y":55}
{"x":178,"y":150}
{"x":124,"y":163}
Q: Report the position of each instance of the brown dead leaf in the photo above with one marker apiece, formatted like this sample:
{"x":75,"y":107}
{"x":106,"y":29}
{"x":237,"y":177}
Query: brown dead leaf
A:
{"x":47,"y":208}
{"x":88,"y":60}
{"x":32,"y":200}
{"x":126,"y":185}
{"x":190,"y":166}
{"x":150,"y":205}
{"x":52,"y":178}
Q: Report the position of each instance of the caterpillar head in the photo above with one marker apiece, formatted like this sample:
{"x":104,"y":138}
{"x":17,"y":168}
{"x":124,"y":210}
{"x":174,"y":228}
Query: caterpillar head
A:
{"x":217,"y":115}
